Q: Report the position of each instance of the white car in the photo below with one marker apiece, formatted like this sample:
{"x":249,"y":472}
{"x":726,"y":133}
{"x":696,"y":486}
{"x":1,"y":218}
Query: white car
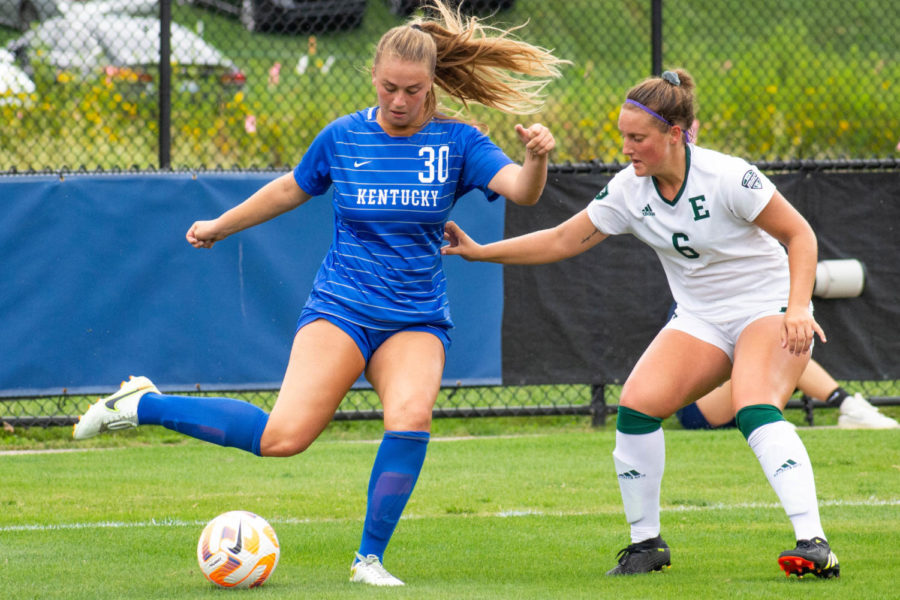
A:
{"x":16,"y":87}
{"x":125,"y":49}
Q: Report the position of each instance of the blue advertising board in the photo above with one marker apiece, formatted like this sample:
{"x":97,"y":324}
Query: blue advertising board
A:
{"x":98,"y":283}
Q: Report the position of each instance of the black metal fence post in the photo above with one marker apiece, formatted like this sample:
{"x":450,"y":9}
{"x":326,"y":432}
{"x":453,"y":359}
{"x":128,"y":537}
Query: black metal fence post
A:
{"x":165,"y":84}
{"x":656,"y":37}
{"x":598,"y":405}
{"x":808,"y":409}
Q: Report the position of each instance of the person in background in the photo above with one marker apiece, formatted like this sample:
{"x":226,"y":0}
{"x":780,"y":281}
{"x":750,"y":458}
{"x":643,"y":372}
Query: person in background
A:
{"x":740,"y":262}
{"x":715,"y":410}
{"x":379,"y":302}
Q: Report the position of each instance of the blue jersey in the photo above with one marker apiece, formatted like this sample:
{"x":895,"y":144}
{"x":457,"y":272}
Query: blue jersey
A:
{"x":391,"y":197}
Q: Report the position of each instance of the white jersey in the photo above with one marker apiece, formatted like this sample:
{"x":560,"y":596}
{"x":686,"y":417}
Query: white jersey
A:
{"x":720,"y":266}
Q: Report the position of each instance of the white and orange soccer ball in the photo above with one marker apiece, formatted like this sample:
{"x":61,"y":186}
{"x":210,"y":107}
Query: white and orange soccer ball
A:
{"x":238,"y":549}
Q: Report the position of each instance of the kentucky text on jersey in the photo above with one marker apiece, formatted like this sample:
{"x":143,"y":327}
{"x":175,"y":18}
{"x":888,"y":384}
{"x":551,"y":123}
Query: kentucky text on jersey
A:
{"x":397,"y":197}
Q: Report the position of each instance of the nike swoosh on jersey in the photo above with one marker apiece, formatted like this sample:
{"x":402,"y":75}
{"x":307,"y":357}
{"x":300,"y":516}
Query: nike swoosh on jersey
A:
{"x":361,"y":163}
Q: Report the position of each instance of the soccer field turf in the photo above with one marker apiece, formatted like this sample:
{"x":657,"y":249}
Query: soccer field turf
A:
{"x":526,"y":516}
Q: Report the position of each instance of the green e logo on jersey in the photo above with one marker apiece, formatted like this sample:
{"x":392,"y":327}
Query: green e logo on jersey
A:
{"x":602,"y":193}
{"x":700,"y":211}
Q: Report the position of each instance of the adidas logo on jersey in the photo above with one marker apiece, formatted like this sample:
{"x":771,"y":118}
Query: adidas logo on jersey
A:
{"x":632,"y":474}
{"x":648,"y":212}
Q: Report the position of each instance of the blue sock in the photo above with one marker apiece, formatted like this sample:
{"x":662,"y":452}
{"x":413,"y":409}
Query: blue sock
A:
{"x":394,"y":476}
{"x":222,"y":421}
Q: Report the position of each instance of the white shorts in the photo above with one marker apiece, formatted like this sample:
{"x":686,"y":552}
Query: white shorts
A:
{"x":721,"y":335}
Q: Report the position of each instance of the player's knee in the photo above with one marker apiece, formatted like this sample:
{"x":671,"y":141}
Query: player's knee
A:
{"x":633,"y":397}
{"x":280,"y":443}
{"x":408,"y":416}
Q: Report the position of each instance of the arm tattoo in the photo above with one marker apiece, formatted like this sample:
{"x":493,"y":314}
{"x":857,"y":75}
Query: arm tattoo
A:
{"x":588,"y":238}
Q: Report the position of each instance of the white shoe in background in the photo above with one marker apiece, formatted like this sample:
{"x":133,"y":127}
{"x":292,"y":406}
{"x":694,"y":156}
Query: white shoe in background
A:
{"x":857,"y":413}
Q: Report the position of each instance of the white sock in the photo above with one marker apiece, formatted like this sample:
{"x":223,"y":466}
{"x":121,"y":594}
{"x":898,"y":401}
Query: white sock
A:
{"x":640,"y":460}
{"x":784,"y":460}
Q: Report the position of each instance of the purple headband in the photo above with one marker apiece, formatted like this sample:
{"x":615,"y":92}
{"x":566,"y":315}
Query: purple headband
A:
{"x":656,"y":115}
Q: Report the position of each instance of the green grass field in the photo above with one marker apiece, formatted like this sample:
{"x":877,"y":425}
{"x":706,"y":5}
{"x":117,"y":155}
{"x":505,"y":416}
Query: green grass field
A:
{"x":534,"y":513}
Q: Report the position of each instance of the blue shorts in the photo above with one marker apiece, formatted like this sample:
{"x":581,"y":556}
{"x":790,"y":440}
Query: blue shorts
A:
{"x":691,"y":418}
{"x":368,"y":339}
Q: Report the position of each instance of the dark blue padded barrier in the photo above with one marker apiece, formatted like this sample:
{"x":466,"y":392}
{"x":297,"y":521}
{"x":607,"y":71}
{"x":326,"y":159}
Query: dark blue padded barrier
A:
{"x":97,"y":283}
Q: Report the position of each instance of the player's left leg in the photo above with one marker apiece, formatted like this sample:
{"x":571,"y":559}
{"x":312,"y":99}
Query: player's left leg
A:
{"x":764,"y":376}
{"x":676,"y":368}
{"x":406,"y":373}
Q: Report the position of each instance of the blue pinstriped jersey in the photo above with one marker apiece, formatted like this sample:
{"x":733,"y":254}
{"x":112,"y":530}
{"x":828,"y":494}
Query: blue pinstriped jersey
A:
{"x":391,"y":198}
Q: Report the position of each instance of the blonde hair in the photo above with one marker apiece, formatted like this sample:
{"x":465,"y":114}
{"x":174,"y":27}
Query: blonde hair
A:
{"x":471,"y":65}
{"x":672,"y":98}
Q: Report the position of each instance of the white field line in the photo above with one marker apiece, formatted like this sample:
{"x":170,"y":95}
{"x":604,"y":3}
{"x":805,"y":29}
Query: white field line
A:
{"x":51,"y":451}
{"x":461,"y":438}
{"x":500,"y":515}
{"x":466,"y":438}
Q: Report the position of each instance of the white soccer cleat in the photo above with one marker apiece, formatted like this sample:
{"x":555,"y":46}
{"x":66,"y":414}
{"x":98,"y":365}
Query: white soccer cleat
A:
{"x":369,"y":570}
{"x":118,"y":411}
{"x":858,"y":413}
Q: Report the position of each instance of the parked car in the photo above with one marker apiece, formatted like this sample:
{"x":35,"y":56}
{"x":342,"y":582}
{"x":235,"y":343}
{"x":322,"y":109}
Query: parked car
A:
{"x":283,"y":16}
{"x":482,"y":8}
{"x":125,"y":49}
{"x":20,"y":14}
{"x":15,"y":85}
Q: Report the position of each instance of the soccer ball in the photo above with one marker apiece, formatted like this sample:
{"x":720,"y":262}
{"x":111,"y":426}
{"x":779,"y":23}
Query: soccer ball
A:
{"x":238,"y":549}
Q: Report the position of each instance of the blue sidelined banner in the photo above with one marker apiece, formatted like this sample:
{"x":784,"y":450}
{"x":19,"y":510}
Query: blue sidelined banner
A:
{"x":97,"y":283}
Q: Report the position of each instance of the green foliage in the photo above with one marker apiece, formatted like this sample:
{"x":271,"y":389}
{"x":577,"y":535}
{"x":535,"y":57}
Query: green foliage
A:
{"x":806,"y":79}
{"x":802,"y":105}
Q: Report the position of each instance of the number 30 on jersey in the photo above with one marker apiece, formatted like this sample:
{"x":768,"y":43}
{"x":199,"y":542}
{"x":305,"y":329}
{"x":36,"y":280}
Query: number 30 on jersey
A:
{"x":437,"y":164}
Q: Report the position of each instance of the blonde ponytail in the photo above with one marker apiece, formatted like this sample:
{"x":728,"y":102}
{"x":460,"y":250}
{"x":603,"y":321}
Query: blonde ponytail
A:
{"x":473,"y":62}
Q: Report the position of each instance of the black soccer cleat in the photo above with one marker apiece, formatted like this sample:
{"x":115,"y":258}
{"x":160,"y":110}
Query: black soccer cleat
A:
{"x":642,"y":557}
{"x":810,"y":556}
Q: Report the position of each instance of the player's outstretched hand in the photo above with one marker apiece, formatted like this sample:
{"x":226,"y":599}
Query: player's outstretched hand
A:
{"x":459,"y":243}
{"x":537,"y":139}
{"x":798,"y":330}
{"x":203,"y":234}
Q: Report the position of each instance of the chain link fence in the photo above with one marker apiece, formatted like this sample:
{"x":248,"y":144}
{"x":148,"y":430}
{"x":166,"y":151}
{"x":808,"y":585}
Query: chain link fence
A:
{"x":253,"y":81}
{"x":596,"y":401}
{"x":359,"y":404}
